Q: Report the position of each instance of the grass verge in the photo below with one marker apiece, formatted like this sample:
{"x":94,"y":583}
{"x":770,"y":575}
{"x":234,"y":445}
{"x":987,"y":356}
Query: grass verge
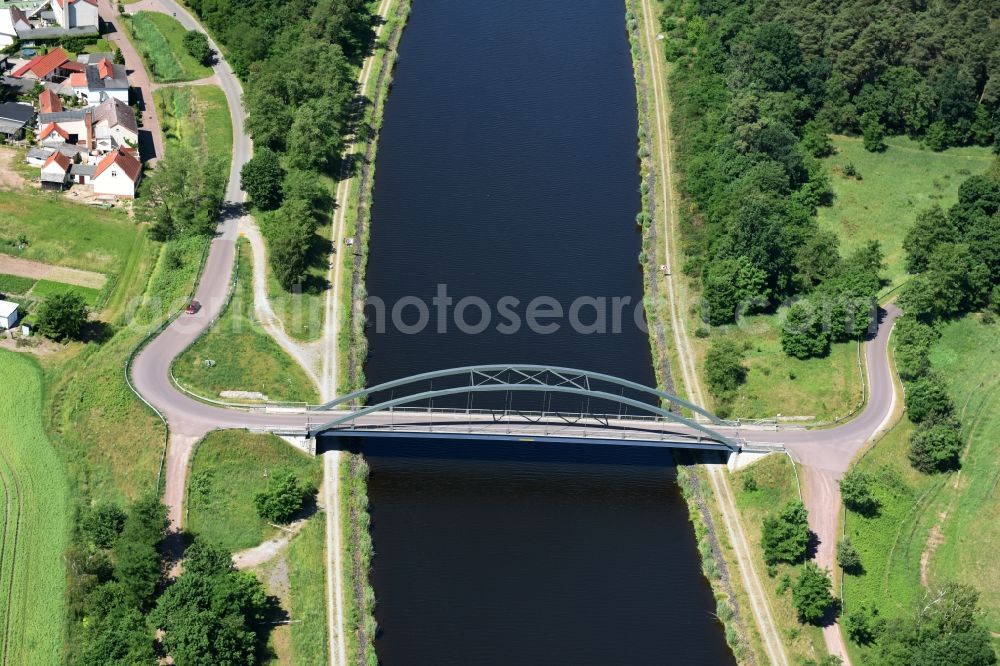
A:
{"x":34,"y":525}
{"x":159,"y":40}
{"x":243,"y":356}
{"x":359,"y":597}
{"x":307,"y":591}
{"x":228,"y":469}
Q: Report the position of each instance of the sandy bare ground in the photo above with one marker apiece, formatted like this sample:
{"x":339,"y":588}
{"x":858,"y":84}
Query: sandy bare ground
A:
{"x":39,"y":271}
{"x":9,"y":179}
{"x":265,"y":551}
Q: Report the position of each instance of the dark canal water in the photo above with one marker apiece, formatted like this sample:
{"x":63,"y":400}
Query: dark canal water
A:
{"x":507,"y":168}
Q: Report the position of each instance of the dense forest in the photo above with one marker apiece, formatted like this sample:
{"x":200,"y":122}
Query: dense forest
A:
{"x":758,"y":89}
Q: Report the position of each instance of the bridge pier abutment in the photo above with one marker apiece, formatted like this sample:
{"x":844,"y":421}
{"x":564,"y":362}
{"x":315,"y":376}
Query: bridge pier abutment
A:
{"x":303,"y":443}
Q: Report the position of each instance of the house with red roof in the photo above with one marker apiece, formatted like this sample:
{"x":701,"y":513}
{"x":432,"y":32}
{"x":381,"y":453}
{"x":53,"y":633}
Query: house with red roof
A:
{"x":117,"y":174}
{"x":54,"y":65}
{"x":49,"y":102}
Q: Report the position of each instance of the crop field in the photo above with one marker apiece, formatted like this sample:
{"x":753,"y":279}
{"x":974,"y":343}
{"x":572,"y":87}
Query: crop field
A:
{"x":894,"y":186}
{"x":228,"y":469}
{"x":15,"y":284}
{"x":45,"y":288}
{"x":34,"y":522}
{"x":159,"y":39}
{"x":237,"y":354}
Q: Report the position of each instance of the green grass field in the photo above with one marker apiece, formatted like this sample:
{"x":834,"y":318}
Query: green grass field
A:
{"x":34,"y":522}
{"x":824,"y":388}
{"x":942,"y":527}
{"x":895,"y":185}
{"x":245,"y":357}
{"x":968,"y":356}
{"x":776,"y":486}
{"x":159,"y":39}
{"x":228,"y":469}
{"x":307,"y":582}
{"x":45,"y":288}
{"x":64,"y":233}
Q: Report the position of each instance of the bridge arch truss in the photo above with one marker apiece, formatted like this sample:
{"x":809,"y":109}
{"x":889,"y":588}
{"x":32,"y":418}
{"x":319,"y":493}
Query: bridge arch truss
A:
{"x":657,"y":407}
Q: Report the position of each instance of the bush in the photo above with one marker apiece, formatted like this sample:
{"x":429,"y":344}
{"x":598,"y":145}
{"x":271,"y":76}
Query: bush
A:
{"x":927,"y":399}
{"x":848,"y":557}
{"x":262,"y":178}
{"x":811,"y":594}
{"x":62,"y":316}
{"x":856,"y":491}
{"x":281,"y":499}
{"x":196,"y":43}
{"x":863,"y":625}
{"x":803,"y":334}
{"x":785,"y":537}
{"x":724,"y":368}
{"x":936,"y":447}
{"x":102,"y":524}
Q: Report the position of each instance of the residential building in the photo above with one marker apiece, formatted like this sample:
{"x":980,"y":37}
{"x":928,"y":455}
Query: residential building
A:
{"x":13,"y":118}
{"x":114,"y":125}
{"x":117,"y":174}
{"x":9,"y":314}
{"x":55,"y":171}
{"x":53,"y":66}
{"x":100,"y":81}
{"x":49,"y":102}
{"x":45,"y":19}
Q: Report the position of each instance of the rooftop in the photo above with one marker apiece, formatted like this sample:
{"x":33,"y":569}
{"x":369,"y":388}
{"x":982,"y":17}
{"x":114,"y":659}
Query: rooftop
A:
{"x":8,"y":308}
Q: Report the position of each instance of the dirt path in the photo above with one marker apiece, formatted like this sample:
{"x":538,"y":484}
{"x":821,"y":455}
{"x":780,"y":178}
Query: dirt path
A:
{"x":334,"y":565}
{"x":265,"y":551}
{"x":9,"y":179}
{"x":717,"y":474}
{"x":39,"y":271}
{"x":207,"y":81}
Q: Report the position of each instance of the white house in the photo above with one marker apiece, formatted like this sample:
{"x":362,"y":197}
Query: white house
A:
{"x":117,"y":174}
{"x":76,"y":124}
{"x":8,"y":314}
{"x":75,"y":13}
{"x":12,"y":19}
{"x":100,"y":81}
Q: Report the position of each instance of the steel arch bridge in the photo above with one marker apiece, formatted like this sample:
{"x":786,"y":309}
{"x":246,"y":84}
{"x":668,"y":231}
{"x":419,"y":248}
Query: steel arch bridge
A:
{"x":655,"y":425}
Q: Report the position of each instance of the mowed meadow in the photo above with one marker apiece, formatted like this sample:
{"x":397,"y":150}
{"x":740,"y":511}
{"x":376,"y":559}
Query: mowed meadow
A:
{"x":34,"y":523}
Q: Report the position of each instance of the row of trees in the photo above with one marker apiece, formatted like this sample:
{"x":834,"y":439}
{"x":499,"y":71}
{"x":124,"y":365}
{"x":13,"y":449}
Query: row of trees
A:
{"x":955,"y":258}
{"x":785,"y":537}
